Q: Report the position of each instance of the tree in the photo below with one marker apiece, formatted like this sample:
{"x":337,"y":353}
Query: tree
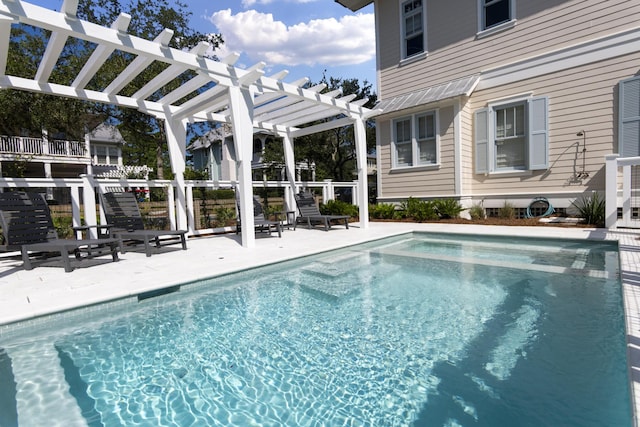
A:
{"x":22,"y":112}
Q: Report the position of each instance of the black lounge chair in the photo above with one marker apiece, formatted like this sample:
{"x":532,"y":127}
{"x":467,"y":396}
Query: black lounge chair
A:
{"x":123,"y":215}
{"x":310,"y":213}
{"x":27,"y":226}
{"x":260,"y":222}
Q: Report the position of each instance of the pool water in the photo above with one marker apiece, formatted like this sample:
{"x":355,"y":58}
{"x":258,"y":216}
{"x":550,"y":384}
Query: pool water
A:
{"x":418,"y":330}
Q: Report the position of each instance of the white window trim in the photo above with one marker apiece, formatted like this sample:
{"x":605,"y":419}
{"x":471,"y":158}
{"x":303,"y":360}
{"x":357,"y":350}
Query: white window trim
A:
{"x":416,"y":166}
{"x":527,"y":98}
{"x":484,"y":32}
{"x":404,"y":59}
{"x":492,"y":136}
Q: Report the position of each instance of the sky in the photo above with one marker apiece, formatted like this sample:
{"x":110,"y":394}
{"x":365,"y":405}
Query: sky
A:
{"x":305,"y":37}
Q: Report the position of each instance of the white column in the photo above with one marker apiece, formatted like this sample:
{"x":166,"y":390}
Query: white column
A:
{"x":290,"y":167}
{"x":176,"y":131}
{"x":89,"y":200}
{"x":361,"y":161}
{"x":241,"y":105}
{"x":611,"y":190}
{"x":48,"y":175}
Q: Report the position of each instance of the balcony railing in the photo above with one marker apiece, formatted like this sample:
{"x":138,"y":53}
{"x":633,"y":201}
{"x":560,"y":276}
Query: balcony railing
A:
{"x":41,"y":147}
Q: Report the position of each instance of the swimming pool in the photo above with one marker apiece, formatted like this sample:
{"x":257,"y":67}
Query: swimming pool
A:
{"x":393,"y":333}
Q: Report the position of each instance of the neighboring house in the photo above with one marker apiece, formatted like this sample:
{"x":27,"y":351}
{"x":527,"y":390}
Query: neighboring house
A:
{"x":100,"y":154}
{"x":494,"y":101}
{"x":214,"y":153}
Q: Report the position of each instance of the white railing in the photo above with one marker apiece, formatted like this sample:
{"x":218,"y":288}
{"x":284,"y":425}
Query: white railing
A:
{"x":78,"y":188}
{"x":622,"y":191}
{"x":39,"y":146}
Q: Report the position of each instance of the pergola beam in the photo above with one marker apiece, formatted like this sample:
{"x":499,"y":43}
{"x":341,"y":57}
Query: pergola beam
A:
{"x":246,"y":99}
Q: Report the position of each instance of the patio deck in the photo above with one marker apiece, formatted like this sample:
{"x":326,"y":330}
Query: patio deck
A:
{"x":44,"y":290}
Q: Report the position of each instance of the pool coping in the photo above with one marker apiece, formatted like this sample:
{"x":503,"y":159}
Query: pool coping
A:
{"x":42,"y":291}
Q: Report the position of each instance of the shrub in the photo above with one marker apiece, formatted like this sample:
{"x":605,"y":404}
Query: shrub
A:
{"x":382,"y":211}
{"x":476,"y":212}
{"x":63,"y":226}
{"x":224,"y":216}
{"x":591,"y":209}
{"x":448,"y":208}
{"x":337,"y":207}
{"x":507,"y":211}
{"x":419,"y":210}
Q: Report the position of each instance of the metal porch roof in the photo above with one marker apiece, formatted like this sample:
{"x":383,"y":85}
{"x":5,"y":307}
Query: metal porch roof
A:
{"x":463,"y":86}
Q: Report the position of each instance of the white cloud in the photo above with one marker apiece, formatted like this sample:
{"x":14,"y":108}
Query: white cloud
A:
{"x":349,"y":40}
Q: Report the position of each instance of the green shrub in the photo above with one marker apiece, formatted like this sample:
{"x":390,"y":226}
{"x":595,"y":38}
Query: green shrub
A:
{"x":476,"y":212}
{"x":507,"y":211}
{"x":337,"y":207}
{"x":591,"y":209}
{"x":447,"y":208}
{"x":419,"y":210}
{"x":63,"y":226}
{"x":224,"y":216}
{"x":382,"y":211}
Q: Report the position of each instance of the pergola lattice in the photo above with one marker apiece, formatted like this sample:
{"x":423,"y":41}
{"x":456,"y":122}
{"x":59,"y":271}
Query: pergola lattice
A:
{"x":244,"y":98}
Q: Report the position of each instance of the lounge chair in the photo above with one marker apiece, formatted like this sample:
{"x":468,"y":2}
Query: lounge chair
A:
{"x":310,"y":213}
{"x":27,"y":226}
{"x":260,"y":222}
{"x":123,"y":215}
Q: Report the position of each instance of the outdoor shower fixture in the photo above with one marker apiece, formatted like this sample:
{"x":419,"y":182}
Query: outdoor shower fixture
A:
{"x":583,"y":174}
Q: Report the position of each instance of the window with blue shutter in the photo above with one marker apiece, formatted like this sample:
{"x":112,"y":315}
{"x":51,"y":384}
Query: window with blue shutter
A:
{"x":629,"y":126}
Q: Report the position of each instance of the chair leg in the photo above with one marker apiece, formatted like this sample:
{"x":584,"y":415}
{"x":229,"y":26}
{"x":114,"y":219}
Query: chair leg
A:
{"x":147,"y":246}
{"x":64,"y":253}
{"x":183,"y":239}
{"x":279,"y":227}
{"x":346,"y":223}
{"x":114,"y":250}
{"x":326,"y":224}
{"x":26,"y":262}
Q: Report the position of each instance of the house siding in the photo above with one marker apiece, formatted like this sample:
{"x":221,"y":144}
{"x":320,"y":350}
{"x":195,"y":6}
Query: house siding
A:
{"x":454,"y":51}
{"x":580,"y":99}
{"x":403,"y":183}
{"x":537,"y":57}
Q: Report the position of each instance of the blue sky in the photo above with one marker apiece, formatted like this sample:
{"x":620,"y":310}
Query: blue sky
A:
{"x":304,"y":37}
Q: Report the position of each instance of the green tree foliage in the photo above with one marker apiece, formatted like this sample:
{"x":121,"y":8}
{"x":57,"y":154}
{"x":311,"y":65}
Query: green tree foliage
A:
{"x":22,"y":112}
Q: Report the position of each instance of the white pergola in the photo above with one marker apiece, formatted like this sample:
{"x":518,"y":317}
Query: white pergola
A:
{"x":244,"y":98}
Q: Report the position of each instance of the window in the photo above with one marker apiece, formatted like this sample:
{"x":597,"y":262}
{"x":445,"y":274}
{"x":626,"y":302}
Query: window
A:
{"x":103,"y":155}
{"x":629,"y":122}
{"x":412,"y":27}
{"x":415,"y":141}
{"x":495,"y":16}
{"x":512,"y":136}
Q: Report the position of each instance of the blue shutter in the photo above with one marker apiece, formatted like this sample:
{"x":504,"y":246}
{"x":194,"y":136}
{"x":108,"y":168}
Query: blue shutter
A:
{"x":481,"y":137}
{"x":538,"y":135}
{"x":629,"y":127}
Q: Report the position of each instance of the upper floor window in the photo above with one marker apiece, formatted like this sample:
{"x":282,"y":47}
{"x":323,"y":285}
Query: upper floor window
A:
{"x":629,"y":118}
{"x":495,"y":15}
{"x":105,"y":155}
{"x":412,"y":28}
{"x":512,"y":136}
{"x":415,"y":141}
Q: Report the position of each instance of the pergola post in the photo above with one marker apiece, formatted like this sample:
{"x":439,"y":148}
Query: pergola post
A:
{"x":241,"y":106}
{"x":176,"y":131}
{"x":361,"y":161}
{"x":290,"y":168}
